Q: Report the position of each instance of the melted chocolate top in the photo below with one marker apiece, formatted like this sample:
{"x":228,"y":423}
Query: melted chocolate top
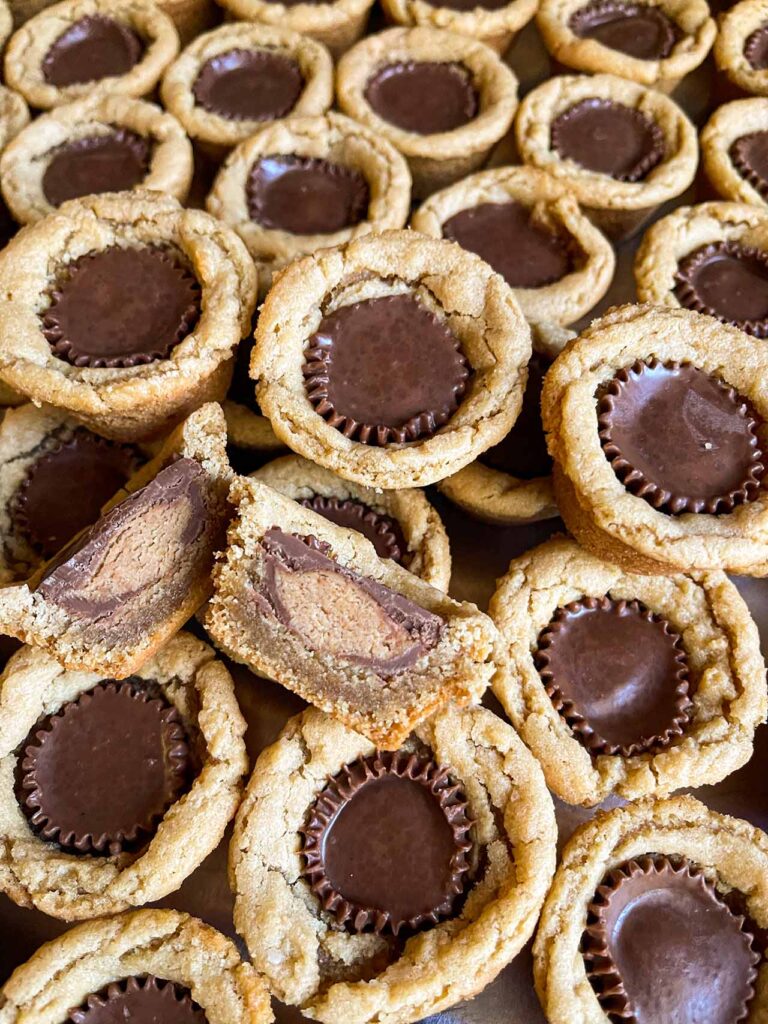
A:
{"x":121,"y":307}
{"x":523,"y":452}
{"x":306,"y":196}
{"x":756,"y":49}
{"x":95,"y":47}
{"x":382,"y":531}
{"x":728,"y":281}
{"x":519,"y":246}
{"x":99,"y":775}
{"x":617,"y":674}
{"x":637,"y":29}
{"x":114,"y":162}
{"x":386,"y":843}
{"x":749,"y":155}
{"x":249,"y":85}
{"x":385,"y":370}
{"x":608,"y":138}
{"x":424,"y":97}
{"x":140,"y":1000}
{"x":680,"y":439}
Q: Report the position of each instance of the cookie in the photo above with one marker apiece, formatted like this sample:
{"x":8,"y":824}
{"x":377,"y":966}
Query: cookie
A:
{"x":493,"y":22}
{"x":734,"y":151}
{"x":336,"y":24}
{"x":741,"y":47}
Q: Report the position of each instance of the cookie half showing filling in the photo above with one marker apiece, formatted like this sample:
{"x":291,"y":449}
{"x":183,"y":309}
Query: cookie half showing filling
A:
{"x":311,"y":605}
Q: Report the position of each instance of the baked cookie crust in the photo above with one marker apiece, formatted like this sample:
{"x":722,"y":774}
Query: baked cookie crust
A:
{"x":730,"y":122}
{"x":336,"y":24}
{"x":734,"y":29}
{"x":496,"y":28}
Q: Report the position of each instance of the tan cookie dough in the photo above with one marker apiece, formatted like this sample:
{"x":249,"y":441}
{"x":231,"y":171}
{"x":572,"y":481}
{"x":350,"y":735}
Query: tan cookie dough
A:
{"x":325,"y":632}
{"x":697,"y":31}
{"x":130,"y":581}
{"x":14,"y":115}
{"x":729,"y":123}
{"x":336,"y":24}
{"x":495,"y":27}
{"x":440,"y":159}
{"x":248,"y":430}
{"x":29,"y":46}
{"x":732,"y":853}
{"x":735,"y":27}
{"x":335,"y":139}
{"x":73,"y":886}
{"x":722,"y":647}
{"x":137,"y":401}
{"x":459,"y":288}
{"x":220,"y":133}
{"x":617,"y":207}
{"x":312,"y":962}
{"x":6,"y":22}
{"x":427,"y":552}
{"x":598,"y":510}
{"x":191,"y":17}
{"x":163,"y":943}
{"x":26,"y":160}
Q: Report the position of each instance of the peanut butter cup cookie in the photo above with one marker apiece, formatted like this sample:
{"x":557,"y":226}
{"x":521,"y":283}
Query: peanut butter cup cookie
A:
{"x":378,"y":886}
{"x":622,"y":149}
{"x":466,"y":99}
{"x":393,"y":361}
{"x":734,"y":151}
{"x":303,"y":183}
{"x":312,"y":605}
{"x":335,"y":23}
{"x":145,"y":967}
{"x":741,"y":47}
{"x":655,"y":419}
{"x":228,"y":82}
{"x":14,"y":115}
{"x":493,"y":22}
{"x":712,"y":258}
{"x":109,"y":143}
{"x":124,"y":310}
{"x":112,"y":793}
{"x":626,"y":684}
{"x":657,"y":913}
{"x":401,"y":525}
{"x":122,"y":587}
{"x":76,"y":47}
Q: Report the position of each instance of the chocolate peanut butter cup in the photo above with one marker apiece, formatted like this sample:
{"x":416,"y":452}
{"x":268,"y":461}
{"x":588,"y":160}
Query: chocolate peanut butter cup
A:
{"x":249,"y":85}
{"x":756,"y":49}
{"x":305,"y":195}
{"x":706,"y":455}
{"x":140,"y":1000}
{"x":386,"y":844}
{"x":64,"y":788}
{"x":639,"y":30}
{"x":95,"y":47}
{"x":749,"y":155}
{"x":618,"y":675}
{"x":385,"y":371}
{"x":382,"y":531}
{"x":661,"y":944}
{"x":729,"y":281}
{"x":446,"y":96}
{"x":608,"y":137}
{"x":114,"y":162}
{"x":121,"y":307}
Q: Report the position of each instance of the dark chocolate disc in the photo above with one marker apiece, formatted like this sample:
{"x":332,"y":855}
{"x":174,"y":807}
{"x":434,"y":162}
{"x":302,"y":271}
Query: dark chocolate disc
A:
{"x":424,"y":97}
{"x":756,"y":49}
{"x":121,"y":307}
{"x":386,"y":843}
{"x":618,"y":675}
{"x":305,"y":196}
{"x":139,"y":1000}
{"x":382,"y":531}
{"x":99,"y":775}
{"x":249,"y":85}
{"x":728,"y":281}
{"x":525,"y":250}
{"x":662,"y":946}
{"x":637,"y":29}
{"x":609,"y":138}
{"x":95,"y":47}
{"x":385,"y":371}
{"x":680,"y":438}
{"x":523,"y":452}
{"x":113,"y":162}
{"x":749,"y":155}
{"x":67,"y":484}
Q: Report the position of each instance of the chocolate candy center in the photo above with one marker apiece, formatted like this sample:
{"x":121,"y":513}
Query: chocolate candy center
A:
{"x":95,"y":47}
{"x":523,"y":452}
{"x":385,"y":370}
{"x":121,"y":307}
{"x":638,"y":30}
{"x":608,"y":138}
{"x":249,"y":85}
{"x":99,"y":775}
{"x":305,"y":196}
{"x":728,"y":281}
{"x":423,"y":97}
{"x":66,"y":486}
{"x":617,"y":674}
{"x":382,"y":531}
{"x":680,"y":438}
{"x":749,"y":155}
{"x":662,"y":947}
{"x":114,"y":162}
{"x":756,"y":49}
{"x":524,"y":249}
{"x":141,"y":1000}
